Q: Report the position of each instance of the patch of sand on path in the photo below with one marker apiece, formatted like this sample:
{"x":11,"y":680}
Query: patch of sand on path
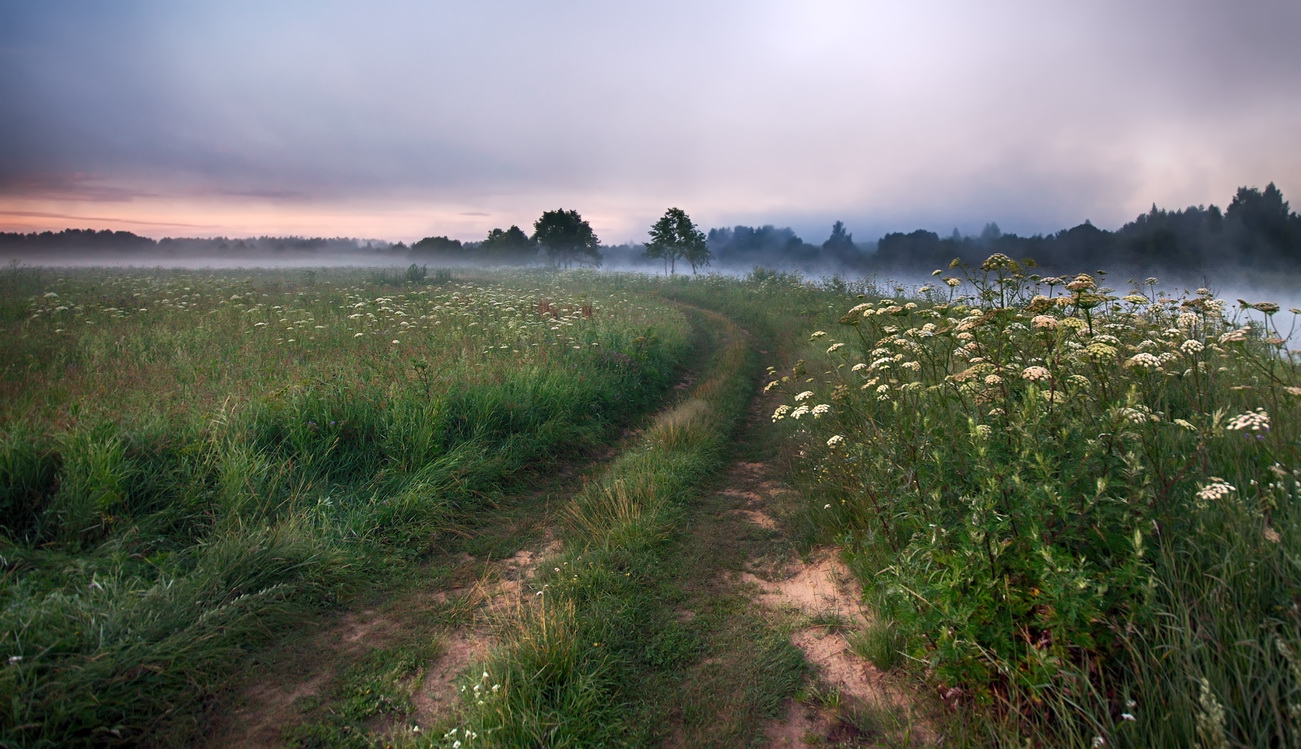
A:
{"x":824,"y":590}
{"x":265,"y":709}
{"x":495,"y":593}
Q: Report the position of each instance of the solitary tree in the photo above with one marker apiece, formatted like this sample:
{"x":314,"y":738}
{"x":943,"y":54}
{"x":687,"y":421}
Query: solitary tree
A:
{"x":674,"y":237}
{"x":567,"y":238}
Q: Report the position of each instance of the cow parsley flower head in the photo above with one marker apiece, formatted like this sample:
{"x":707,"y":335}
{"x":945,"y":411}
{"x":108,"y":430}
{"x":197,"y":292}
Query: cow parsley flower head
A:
{"x":1143,"y":360}
{"x":1234,"y":336}
{"x":1217,"y":489}
{"x":1251,"y":421}
{"x":1035,"y":374}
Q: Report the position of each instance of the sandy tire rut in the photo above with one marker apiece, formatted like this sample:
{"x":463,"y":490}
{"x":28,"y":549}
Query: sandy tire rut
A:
{"x":260,"y":715}
{"x":807,"y":593}
{"x":463,"y":609}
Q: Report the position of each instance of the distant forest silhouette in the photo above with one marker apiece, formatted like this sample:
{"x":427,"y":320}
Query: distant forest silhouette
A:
{"x":1257,"y":230}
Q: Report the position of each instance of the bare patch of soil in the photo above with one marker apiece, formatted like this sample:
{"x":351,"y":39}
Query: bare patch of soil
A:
{"x":756,"y":517}
{"x":818,"y":588}
{"x":500,"y":589}
{"x":267,"y":708}
{"x":826,"y":599}
{"x":437,"y":693}
{"x":801,"y":726}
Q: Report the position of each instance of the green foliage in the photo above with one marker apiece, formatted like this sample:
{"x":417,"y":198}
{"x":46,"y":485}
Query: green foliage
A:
{"x":1042,"y":477}
{"x":416,"y":273}
{"x":29,"y":466}
{"x":567,"y":238}
{"x":674,"y":237}
{"x":509,"y":246}
{"x":191,"y":462}
{"x":438,"y":247}
{"x":598,"y":627}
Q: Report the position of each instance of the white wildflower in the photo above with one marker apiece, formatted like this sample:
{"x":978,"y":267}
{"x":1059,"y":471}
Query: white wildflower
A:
{"x":1252,"y":421}
{"x":1217,"y":489}
{"x":1143,"y":360}
{"x":1035,"y":374}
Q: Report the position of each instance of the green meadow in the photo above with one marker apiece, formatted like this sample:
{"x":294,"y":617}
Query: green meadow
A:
{"x":1072,"y":503}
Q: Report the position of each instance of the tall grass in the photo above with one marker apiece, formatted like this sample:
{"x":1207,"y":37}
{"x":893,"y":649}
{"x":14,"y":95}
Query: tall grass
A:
{"x":189,"y":463}
{"x":600,"y":625}
{"x":1077,"y":507}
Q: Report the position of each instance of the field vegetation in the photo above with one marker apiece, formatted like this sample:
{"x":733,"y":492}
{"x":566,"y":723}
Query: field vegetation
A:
{"x":191,"y":461}
{"x":1073,"y":509}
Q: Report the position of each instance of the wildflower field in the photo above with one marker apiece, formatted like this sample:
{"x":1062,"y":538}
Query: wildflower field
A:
{"x":1073,"y":509}
{"x":191,"y":461}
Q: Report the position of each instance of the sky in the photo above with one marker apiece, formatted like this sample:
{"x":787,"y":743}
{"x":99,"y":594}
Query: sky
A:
{"x":400,"y":120}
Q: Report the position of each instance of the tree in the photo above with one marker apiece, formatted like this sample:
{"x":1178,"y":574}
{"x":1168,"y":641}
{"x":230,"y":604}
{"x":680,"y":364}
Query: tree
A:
{"x":1263,"y":227}
{"x":840,"y":241}
{"x":567,"y":238}
{"x":674,"y":237}
{"x":440,"y":248}
{"x":510,"y":246}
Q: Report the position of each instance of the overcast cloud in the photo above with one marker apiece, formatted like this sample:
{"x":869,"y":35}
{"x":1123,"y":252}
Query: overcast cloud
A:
{"x":405,"y":119}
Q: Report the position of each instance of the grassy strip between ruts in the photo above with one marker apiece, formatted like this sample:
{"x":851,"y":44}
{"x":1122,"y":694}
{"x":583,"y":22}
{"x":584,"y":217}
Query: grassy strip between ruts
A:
{"x":573,"y":659}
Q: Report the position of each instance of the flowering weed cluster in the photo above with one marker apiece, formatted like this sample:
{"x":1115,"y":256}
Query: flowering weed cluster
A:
{"x":1034,"y":476}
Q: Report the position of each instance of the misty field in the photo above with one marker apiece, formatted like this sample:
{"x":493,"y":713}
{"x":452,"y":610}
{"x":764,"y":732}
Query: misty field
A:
{"x":191,"y":459}
{"x":1073,"y":509}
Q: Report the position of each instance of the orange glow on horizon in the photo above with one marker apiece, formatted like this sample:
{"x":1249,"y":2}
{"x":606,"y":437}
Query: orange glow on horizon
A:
{"x":406,"y":221}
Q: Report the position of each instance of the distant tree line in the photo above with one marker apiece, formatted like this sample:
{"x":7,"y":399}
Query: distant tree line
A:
{"x":80,"y":241}
{"x":1257,"y":230}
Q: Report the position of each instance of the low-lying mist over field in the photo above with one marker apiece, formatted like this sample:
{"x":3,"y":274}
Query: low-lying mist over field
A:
{"x":1250,"y":251}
